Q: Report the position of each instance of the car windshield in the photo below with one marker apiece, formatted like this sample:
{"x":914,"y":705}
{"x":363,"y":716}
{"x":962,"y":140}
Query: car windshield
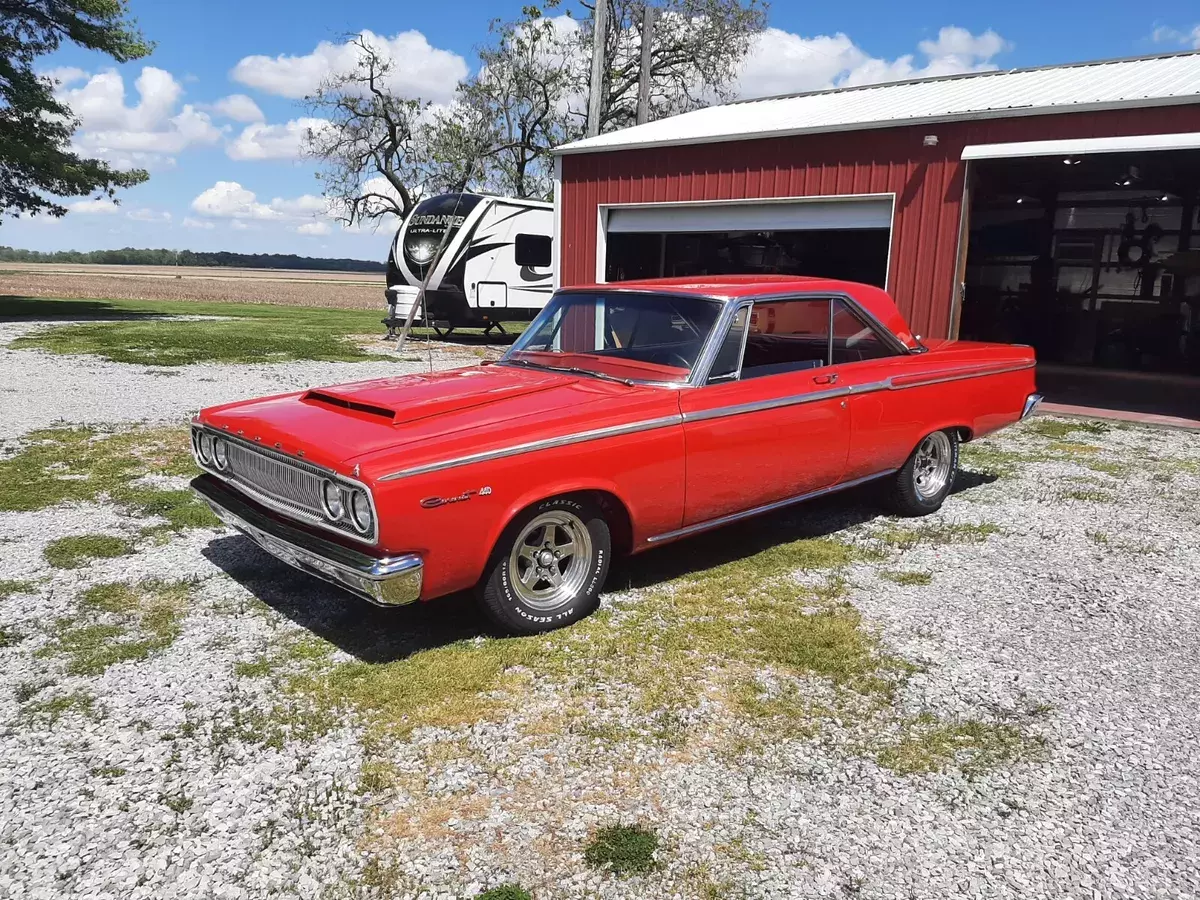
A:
{"x":634,"y":337}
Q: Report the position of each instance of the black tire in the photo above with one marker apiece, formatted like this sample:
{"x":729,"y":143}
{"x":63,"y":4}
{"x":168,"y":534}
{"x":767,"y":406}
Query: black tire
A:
{"x":512,"y":607}
{"x":913,"y":495}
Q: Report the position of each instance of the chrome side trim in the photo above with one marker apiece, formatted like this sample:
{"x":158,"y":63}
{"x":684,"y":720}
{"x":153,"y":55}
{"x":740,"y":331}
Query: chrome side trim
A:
{"x":702,"y":415}
{"x":960,"y":376}
{"x":388,"y":581}
{"x":1032,"y":402}
{"x":533,"y":446}
{"x":766,"y":508}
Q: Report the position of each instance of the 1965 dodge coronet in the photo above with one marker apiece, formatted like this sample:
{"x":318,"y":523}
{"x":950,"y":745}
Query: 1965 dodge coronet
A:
{"x":626,"y":416}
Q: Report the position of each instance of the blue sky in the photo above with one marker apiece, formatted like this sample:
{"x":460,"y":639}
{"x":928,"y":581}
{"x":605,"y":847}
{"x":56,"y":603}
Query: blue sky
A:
{"x":225,"y":175}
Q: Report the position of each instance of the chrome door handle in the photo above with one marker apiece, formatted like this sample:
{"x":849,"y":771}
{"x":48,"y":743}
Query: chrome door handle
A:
{"x":831,"y":378}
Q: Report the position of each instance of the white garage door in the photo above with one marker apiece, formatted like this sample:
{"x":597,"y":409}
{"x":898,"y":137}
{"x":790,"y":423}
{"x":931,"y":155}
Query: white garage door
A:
{"x":790,"y":215}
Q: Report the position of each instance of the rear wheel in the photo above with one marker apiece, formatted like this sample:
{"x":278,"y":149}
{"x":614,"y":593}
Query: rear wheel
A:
{"x":548,"y":567}
{"x":926,"y":479}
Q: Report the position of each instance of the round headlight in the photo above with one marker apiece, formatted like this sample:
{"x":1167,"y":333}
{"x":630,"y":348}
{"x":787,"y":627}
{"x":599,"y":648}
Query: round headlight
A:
{"x":220,"y":453}
{"x":205,"y":447}
{"x":331,"y":500}
{"x":360,"y":512}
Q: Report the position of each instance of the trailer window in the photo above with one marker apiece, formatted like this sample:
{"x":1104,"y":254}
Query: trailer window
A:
{"x":533,"y":250}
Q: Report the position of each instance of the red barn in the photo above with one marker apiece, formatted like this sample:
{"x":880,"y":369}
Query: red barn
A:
{"x":1053,"y":206}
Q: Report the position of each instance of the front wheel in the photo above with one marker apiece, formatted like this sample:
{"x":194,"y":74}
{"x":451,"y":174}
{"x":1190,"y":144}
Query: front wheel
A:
{"x":926,"y":479}
{"x":548,"y":567}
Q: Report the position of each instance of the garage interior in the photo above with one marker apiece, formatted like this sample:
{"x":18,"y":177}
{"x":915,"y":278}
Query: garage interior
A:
{"x":1092,"y":260}
{"x":840,"y":238}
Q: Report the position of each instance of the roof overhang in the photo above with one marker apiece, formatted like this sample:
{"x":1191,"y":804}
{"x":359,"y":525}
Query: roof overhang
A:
{"x":1082,"y":146}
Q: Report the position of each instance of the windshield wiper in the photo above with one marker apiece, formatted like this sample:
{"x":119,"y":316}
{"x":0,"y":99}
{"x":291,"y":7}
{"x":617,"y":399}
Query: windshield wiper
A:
{"x":573,"y":370}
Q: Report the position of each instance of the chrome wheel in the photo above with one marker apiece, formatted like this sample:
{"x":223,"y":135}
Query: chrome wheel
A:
{"x":550,"y":560}
{"x":933,"y":465}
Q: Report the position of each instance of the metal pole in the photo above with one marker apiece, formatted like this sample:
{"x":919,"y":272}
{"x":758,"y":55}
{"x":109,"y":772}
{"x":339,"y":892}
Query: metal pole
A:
{"x":643,"y":104}
{"x":596,"y":85}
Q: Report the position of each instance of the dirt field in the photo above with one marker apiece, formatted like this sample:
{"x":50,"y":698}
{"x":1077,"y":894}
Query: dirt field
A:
{"x":291,"y":287}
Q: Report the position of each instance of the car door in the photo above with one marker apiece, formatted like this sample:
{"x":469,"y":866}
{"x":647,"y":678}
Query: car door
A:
{"x":771,"y":423}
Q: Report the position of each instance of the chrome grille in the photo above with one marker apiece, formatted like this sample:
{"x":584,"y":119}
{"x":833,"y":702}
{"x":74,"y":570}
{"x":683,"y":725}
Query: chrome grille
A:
{"x":289,"y":486}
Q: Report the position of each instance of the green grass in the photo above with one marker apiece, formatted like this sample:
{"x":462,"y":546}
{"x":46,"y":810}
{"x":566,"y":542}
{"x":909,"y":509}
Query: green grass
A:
{"x":623,"y":850}
{"x":905,"y":538}
{"x":1086,"y":495}
{"x":927,"y":744}
{"x":8,"y":588}
{"x":10,"y":637}
{"x":147,"y":614}
{"x":1058,"y":429}
{"x":50,"y":711}
{"x":505,"y":892}
{"x":246,"y":333}
{"x":58,"y":465}
{"x":908,"y":578}
{"x":74,"y":552}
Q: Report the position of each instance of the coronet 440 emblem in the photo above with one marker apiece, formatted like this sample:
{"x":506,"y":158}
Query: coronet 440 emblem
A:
{"x":435,"y":502}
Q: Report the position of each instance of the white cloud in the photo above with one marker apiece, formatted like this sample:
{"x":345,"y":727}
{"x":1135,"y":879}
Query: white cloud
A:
{"x":1164,"y":34}
{"x":143,"y":134}
{"x":189,"y":222}
{"x":242,"y":208}
{"x":101,"y":206}
{"x":238,"y":107}
{"x":262,"y":141}
{"x":313,"y":228}
{"x":782,"y":62}
{"x":64,"y":75}
{"x":145,"y":214}
{"x":419,"y":70}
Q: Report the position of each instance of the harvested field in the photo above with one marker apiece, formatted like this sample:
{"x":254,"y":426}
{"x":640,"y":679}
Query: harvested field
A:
{"x":289,"y":287}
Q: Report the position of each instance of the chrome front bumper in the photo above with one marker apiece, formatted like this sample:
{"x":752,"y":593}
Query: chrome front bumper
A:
{"x":391,"y":581}
{"x":1032,"y":402}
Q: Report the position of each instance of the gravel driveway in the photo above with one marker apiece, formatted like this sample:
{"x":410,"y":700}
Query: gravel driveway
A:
{"x":1054,"y":599}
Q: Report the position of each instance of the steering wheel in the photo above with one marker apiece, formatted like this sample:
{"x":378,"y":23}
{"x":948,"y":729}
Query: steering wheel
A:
{"x":670,"y":358}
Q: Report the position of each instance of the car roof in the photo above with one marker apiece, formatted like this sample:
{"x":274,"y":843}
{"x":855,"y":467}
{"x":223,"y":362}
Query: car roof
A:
{"x":874,"y":300}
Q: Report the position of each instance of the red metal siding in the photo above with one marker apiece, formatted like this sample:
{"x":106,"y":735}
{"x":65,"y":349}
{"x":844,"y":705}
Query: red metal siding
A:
{"x":927,"y":182}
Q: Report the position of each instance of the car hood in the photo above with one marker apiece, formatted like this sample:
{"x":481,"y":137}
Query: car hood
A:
{"x":413,"y":418}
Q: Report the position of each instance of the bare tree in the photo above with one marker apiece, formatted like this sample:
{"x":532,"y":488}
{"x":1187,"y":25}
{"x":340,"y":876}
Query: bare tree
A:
{"x":374,"y":153}
{"x":695,"y":54}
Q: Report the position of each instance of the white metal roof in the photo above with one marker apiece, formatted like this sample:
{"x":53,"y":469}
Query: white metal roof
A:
{"x":1111,"y":84}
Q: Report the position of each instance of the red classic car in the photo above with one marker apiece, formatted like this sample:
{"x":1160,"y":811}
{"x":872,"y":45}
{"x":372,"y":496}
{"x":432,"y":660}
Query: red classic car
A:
{"x":626,"y":416}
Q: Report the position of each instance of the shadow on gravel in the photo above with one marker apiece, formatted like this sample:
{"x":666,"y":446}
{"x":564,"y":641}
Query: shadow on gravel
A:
{"x":370,"y":633}
{"x":25,"y":309}
{"x":378,"y":635}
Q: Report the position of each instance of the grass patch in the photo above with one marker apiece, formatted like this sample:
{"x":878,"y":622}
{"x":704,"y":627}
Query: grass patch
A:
{"x":9,"y":637}
{"x":908,"y":578}
{"x":1086,"y":495}
{"x":927,"y":744}
{"x":1058,"y":429}
{"x":273,"y":728}
{"x":9,"y":588}
{"x":58,"y":465}
{"x":50,"y":711}
{"x":623,"y":850}
{"x":1099,"y":538}
{"x":73,"y":552}
{"x":906,"y":538}
{"x":986,"y":457}
{"x":505,"y":892}
{"x":148,"y":620}
{"x":107,"y":772}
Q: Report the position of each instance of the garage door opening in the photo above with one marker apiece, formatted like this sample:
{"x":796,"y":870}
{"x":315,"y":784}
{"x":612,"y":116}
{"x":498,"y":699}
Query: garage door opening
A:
{"x":835,"y":238}
{"x":1091,"y":260}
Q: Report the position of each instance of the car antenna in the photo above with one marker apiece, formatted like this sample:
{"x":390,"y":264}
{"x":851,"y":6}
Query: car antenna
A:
{"x":437,"y":258}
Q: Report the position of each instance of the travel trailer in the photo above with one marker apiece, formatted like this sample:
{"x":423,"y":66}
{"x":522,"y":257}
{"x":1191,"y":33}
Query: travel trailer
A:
{"x":487,"y":261}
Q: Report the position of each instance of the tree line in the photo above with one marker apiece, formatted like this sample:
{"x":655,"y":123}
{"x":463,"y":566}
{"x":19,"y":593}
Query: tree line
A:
{"x":132,"y":256}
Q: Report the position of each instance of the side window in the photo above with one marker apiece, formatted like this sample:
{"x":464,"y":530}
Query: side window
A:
{"x":786,"y":336}
{"x":533,"y":250}
{"x":853,"y":339}
{"x":725,"y":366}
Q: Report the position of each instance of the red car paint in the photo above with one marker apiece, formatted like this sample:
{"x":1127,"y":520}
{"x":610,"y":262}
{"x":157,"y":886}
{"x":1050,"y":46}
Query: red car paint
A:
{"x":691,"y":468}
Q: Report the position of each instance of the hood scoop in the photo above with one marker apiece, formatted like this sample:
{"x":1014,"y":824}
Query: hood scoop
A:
{"x":349,"y":403}
{"x":409,"y":398}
